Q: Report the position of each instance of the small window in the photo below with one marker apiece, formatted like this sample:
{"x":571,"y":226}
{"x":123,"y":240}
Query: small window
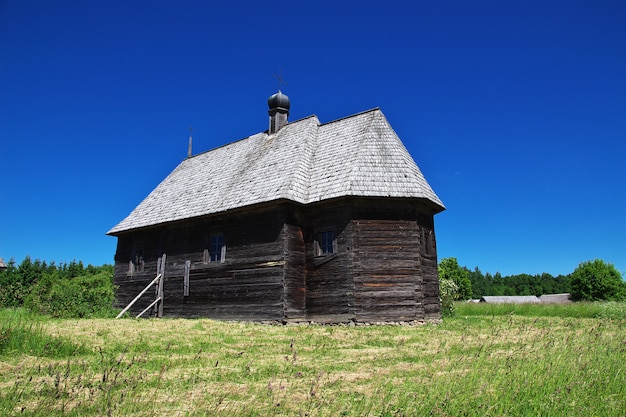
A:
{"x":325,"y":243}
{"x":136,"y":261}
{"x":217,"y":249}
{"x":428,"y":242}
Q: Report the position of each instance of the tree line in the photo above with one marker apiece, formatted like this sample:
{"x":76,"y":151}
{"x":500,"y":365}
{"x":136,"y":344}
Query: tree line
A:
{"x":521,"y":284}
{"x":75,"y":290}
{"x":59,"y":290}
{"x":590,"y":281}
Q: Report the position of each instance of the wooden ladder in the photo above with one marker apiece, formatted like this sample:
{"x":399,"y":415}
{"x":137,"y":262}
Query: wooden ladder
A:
{"x":158,"y":280}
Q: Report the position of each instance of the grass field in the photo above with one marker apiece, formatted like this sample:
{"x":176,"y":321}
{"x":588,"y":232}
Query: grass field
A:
{"x":485,"y":361}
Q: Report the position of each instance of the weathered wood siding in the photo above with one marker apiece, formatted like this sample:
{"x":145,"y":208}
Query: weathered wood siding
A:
{"x":248,"y":285}
{"x":329,"y":279}
{"x":384,"y":267}
{"x":386,"y":270}
{"x":395,"y":272}
{"x":295,"y":274}
{"x":429,"y":287}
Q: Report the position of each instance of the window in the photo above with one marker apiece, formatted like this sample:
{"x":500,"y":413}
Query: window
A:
{"x":136,"y":261}
{"x":428,"y":240}
{"x":325,"y":243}
{"x":217,"y":248}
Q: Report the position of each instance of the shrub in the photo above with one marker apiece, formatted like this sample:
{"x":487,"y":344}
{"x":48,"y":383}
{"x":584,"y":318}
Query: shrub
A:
{"x":14,"y":285}
{"x":597,"y":281}
{"x":448,"y":292}
{"x":84,"y":296}
{"x":449,"y":269}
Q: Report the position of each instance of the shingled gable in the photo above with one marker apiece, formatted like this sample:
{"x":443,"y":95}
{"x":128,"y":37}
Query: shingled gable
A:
{"x":304,"y":162}
{"x":315,"y":222}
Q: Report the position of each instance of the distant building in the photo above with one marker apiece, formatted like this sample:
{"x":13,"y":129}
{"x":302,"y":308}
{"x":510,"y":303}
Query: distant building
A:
{"x":308,"y":221}
{"x":555,"y":298}
{"x":3,"y":265}
{"x":509,"y":299}
{"x":523,"y":299}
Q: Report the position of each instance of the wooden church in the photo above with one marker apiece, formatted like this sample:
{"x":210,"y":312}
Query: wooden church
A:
{"x":307,"y":221}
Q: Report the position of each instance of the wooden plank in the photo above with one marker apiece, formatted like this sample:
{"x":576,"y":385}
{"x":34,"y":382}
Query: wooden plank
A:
{"x":160,"y":295}
{"x":148,"y":308}
{"x":158,"y":277}
{"x":186,"y":279}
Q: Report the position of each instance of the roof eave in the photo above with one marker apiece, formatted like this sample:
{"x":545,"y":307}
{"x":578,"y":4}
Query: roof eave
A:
{"x":433,"y":206}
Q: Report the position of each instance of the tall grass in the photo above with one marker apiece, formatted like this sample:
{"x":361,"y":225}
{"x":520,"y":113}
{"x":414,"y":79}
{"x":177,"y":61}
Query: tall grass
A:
{"x":482,"y":365}
{"x":608,"y":310}
{"x":22,"y":333}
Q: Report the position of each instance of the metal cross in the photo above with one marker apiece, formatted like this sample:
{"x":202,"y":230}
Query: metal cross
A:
{"x":280,"y":79}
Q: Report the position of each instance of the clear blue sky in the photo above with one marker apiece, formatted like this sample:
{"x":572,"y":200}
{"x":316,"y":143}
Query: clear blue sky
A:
{"x":514,"y":111}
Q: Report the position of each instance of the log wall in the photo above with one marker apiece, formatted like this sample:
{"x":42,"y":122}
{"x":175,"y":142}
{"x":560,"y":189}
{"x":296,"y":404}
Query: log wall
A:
{"x":395,"y":266}
{"x":384,"y":267}
{"x":387,"y":278}
{"x":295,"y":274}
{"x":431,"y":303}
{"x":248,"y":285}
{"x":329,"y":279}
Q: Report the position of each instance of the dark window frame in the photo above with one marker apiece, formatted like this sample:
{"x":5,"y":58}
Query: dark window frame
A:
{"x":325,"y":242}
{"x":137,"y":262}
{"x":217,"y":249}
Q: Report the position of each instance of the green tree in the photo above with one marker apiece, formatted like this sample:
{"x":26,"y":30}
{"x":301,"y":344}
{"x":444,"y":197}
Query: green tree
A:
{"x":67,"y":290}
{"x":11,"y":289}
{"x":597,"y":280}
{"x":15,"y":282}
{"x":481,"y":284}
{"x":449,"y":269}
{"x":562,"y":284}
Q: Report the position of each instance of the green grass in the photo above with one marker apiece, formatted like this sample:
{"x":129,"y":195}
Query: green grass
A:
{"x":22,"y":333}
{"x":504,"y":364}
{"x":609,"y":310}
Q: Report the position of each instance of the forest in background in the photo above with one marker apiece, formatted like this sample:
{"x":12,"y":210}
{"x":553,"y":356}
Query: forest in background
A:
{"x":58,"y":290}
{"x":591,"y":281}
{"x":75,"y":290}
{"x":521,"y":284}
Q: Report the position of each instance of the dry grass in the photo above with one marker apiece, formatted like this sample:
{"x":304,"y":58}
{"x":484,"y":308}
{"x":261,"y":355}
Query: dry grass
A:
{"x":506,"y":365}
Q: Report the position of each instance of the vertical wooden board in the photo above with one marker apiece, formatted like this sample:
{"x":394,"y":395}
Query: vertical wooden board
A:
{"x":186,"y":279}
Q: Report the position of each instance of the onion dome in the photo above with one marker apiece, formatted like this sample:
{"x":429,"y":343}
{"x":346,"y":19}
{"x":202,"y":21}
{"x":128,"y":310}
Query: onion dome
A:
{"x":279,"y":101}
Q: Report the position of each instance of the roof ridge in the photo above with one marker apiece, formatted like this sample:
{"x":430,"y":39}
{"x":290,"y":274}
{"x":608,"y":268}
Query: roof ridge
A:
{"x":265,"y":132}
{"x":302,"y":166}
{"x":362,"y":138}
{"x":302,"y":119}
{"x":227,"y":144}
{"x":352,"y":115}
{"x":308,"y":162}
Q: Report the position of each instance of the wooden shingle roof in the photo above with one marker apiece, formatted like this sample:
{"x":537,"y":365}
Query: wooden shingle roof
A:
{"x":304,"y":162}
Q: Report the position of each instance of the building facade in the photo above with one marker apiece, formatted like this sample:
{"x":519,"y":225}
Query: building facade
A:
{"x":307,"y":221}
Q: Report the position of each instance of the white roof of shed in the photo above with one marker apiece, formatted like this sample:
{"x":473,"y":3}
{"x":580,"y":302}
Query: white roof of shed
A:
{"x":304,"y":162}
{"x":555,"y":298}
{"x":509,"y":299}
